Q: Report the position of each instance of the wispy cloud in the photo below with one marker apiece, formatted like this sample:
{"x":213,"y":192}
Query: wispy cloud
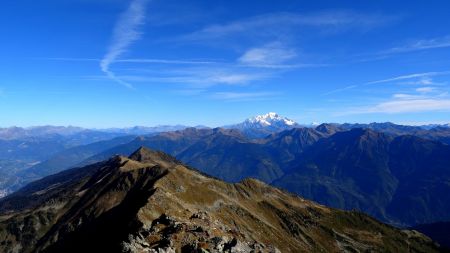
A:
{"x":410,"y":76}
{"x":279,"y":23}
{"x":198,"y":78}
{"x":407,"y":47}
{"x":421,"y":79}
{"x":349,"y":87}
{"x":201,"y":77}
{"x":418,"y":45}
{"x":231,"y":78}
{"x":426,"y":89}
{"x":125,"y":33}
{"x":406,"y":106}
{"x":412,"y":46}
{"x":423,"y":99}
{"x":406,"y":96}
{"x":257,"y":63}
{"x":424,"y":80}
{"x":271,"y":56}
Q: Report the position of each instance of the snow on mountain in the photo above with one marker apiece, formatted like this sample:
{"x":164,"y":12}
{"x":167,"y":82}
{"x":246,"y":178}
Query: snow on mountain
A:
{"x":269,"y":119}
{"x":263,"y":125}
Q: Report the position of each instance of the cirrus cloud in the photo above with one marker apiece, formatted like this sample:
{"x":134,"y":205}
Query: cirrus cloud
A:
{"x":125,"y":33}
{"x":274,"y":24}
{"x":269,"y":55}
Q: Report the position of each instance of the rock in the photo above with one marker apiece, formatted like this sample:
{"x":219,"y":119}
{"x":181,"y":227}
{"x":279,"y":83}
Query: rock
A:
{"x":180,"y":188}
{"x":240,"y":247}
{"x":200,"y":215}
{"x":219,"y":243}
{"x":162,"y":250}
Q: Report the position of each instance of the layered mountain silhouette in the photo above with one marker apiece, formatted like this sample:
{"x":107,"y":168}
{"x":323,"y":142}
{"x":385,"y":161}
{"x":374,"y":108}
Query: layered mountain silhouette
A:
{"x":360,"y":169}
{"x":54,"y":148}
{"x":16,"y":174}
{"x":438,"y":133}
{"x":150,"y":202}
{"x":397,"y":179}
{"x":224,"y":153}
{"x":17,"y":133}
{"x":398,"y":174}
{"x":21,"y":149}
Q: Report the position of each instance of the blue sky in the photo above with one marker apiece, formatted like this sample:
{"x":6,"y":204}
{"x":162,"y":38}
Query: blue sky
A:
{"x":105,"y":63}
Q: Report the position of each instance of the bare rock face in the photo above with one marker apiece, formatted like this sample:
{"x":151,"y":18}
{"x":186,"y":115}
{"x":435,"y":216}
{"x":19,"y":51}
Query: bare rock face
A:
{"x":197,"y":234}
{"x":150,"y":202}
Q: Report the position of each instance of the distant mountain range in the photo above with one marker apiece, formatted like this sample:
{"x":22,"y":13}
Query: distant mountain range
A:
{"x":439,"y":132}
{"x":362,"y":169}
{"x":22,"y":148}
{"x":258,"y":126}
{"x":19,"y":133}
{"x":378,"y":168}
{"x":150,"y":202}
{"x":143,"y":130}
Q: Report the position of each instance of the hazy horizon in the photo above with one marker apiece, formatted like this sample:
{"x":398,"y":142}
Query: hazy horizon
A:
{"x":230,"y":123}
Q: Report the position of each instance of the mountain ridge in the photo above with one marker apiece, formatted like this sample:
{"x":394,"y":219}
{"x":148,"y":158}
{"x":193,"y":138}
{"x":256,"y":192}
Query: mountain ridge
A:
{"x":281,"y":157}
{"x":155,"y":203}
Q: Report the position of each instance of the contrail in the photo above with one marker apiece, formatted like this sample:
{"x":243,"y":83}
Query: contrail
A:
{"x":125,"y":33}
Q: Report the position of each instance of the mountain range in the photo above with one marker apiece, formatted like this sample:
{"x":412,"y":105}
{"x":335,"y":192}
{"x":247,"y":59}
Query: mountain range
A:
{"x":14,"y":133}
{"x":53,"y":148}
{"x":150,"y":202}
{"x":327,"y":164}
{"x":395,"y":173}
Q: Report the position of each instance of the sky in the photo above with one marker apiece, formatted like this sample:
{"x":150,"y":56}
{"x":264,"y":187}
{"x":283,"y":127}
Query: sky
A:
{"x":120,"y":63}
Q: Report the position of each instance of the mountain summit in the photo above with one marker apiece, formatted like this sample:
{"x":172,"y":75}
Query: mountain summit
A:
{"x":263,"y":125}
{"x":269,"y":119}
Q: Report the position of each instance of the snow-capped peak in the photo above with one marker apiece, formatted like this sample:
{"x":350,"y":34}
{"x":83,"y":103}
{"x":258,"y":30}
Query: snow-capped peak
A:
{"x":263,"y":125}
{"x":270,"y":119}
